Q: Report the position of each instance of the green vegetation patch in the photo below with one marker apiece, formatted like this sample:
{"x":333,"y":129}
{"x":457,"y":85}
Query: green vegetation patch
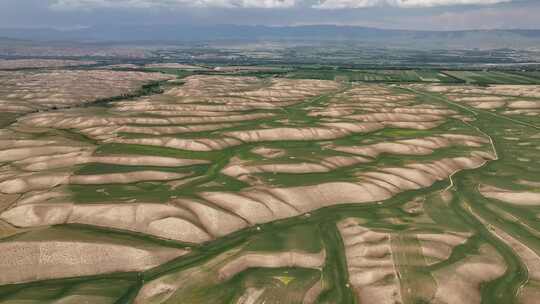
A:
{"x":98,"y":168}
{"x":492,"y":77}
{"x":155,"y":151}
{"x":373,"y":75}
{"x":7,"y":118}
{"x":149,"y":192}
{"x":306,"y":237}
{"x":84,"y":290}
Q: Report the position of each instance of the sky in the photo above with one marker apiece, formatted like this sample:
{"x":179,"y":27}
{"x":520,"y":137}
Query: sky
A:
{"x":396,"y":14}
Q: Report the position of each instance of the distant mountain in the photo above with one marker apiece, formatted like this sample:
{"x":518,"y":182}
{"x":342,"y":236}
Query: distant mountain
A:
{"x":198,"y":33}
{"x":515,"y":39}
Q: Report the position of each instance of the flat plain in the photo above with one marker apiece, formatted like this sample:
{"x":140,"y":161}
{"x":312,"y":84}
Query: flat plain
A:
{"x":227,"y":188}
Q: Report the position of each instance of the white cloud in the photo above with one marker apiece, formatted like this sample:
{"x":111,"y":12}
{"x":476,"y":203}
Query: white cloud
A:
{"x":92,"y":4}
{"x":322,"y":4}
{"x":340,"y":4}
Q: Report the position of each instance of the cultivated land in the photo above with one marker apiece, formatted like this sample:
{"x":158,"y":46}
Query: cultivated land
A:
{"x":294,"y":189}
{"x":16,"y":64}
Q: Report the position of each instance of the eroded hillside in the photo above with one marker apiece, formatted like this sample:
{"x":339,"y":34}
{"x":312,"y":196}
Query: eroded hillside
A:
{"x":226,"y":189}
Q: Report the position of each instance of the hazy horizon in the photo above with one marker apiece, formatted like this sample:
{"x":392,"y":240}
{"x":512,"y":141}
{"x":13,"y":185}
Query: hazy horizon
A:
{"x":384,"y":14}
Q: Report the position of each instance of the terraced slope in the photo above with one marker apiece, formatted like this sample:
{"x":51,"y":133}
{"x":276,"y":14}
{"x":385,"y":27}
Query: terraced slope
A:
{"x":245,"y":190}
{"x":25,"y":91}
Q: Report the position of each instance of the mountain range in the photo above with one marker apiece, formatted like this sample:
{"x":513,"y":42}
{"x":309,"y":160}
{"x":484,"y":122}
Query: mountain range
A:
{"x":497,"y":38}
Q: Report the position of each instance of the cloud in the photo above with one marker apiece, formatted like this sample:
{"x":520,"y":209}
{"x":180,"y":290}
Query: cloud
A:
{"x":138,"y":4}
{"x":320,"y":4}
{"x":341,"y":4}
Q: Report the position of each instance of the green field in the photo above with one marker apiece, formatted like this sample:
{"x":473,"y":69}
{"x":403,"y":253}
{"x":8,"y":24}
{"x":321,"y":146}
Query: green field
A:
{"x":375,"y":75}
{"x":494,"y":77}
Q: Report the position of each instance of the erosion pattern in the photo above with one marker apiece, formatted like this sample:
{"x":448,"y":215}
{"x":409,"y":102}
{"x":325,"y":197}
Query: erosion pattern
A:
{"x":247,"y":190}
{"x":31,"y":91}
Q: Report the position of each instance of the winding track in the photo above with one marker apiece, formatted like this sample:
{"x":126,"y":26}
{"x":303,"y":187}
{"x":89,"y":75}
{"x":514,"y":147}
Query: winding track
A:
{"x":516,"y":278}
{"x":447,"y":101}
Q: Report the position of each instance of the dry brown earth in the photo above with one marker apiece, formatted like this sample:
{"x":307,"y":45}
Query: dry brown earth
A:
{"x":523,"y":198}
{"x":23,"y":92}
{"x":379,"y":264}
